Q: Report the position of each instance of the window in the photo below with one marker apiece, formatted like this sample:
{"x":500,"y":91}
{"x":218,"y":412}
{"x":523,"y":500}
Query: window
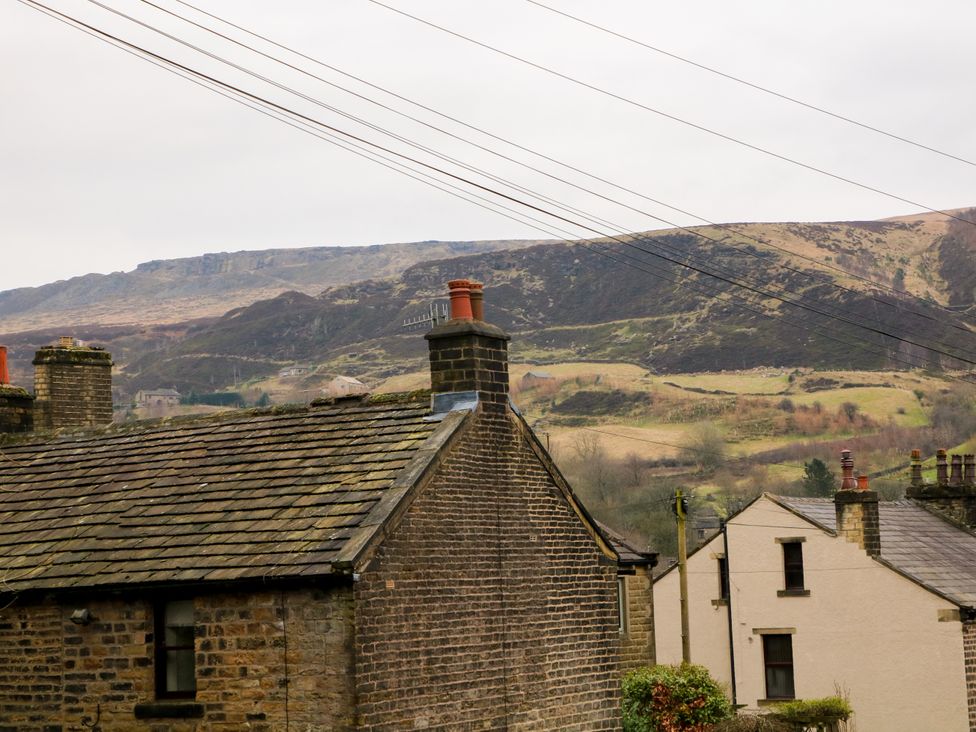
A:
{"x":723,"y":578}
{"x":793,"y":565}
{"x":778,"y":660}
{"x":175,"y":674}
{"x":622,"y":603}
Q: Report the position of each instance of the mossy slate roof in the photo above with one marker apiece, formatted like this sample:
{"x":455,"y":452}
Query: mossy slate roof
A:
{"x":269,"y":493}
{"x":914,"y":541}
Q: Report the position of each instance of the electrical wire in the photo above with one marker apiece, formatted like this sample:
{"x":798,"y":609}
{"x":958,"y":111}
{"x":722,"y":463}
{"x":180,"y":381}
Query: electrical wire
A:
{"x":666,"y":115}
{"x":752,"y":85}
{"x":350,"y":136}
{"x":620,"y":230}
{"x":724,"y":227}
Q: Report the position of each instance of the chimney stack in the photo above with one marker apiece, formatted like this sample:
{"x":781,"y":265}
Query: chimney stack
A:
{"x":72,"y":385}
{"x":468,"y":357}
{"x":857,"y":509}
{"x":954,"y":491}
{"x":16,"y":405}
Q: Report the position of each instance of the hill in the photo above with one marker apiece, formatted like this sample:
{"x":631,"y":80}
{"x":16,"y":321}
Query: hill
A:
{"x":569,"y":302}
{"x":177,"y":290}
{"x":561,"y":301}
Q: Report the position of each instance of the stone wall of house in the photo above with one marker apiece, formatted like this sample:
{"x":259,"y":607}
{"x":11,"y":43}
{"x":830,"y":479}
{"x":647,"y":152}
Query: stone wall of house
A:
{"x":262,"y":659}
{"x":637,"y":637}
{"x":490,"y":606}
{"x":969,"y":654}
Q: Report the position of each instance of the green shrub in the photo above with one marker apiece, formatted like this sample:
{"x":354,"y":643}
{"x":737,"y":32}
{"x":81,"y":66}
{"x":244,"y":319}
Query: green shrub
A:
{"x":813,"y":713}
{"x":672,"y":699}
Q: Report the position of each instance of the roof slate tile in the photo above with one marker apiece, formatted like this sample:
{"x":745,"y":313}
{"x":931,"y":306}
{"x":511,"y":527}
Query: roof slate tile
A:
{"x":256,"y":494}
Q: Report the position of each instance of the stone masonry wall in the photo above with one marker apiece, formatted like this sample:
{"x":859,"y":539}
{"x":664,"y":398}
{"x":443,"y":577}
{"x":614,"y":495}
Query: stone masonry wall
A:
{"x":16,"y":410}
{"x":490,"y":606}
{"x":73,"y":388}
{"x":637,"y":639}
{"x":261,"y":658}
{"x":969,"y":655}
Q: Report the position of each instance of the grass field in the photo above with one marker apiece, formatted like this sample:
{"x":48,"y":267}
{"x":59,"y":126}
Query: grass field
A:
{"x":877,"y":402}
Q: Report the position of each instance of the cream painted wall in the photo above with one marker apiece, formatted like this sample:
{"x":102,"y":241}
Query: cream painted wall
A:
{"x":864,"y":629}
{"x":709,"y":625}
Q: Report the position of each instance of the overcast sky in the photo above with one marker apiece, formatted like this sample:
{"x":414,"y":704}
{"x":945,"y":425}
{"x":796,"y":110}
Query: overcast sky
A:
{"x":107,"y":161}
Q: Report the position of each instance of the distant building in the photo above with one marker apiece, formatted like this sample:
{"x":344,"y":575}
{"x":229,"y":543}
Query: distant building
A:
{"x":342,"y":386}
{"x":810,"y":597}
{"x":292,"y":371}
{"x":533,"y":378}
{"x":158,"y":398}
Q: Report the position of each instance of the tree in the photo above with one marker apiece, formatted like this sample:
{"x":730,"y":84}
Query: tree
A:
{"x":850,"y":410}
{"x":817,"y":479}
{"x":705,"y":446}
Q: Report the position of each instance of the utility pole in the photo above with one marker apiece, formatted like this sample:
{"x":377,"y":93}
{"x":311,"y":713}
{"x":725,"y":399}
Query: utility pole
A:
{"x":680,"y":510}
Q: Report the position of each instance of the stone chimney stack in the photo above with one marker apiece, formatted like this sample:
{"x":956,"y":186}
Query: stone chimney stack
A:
{"x":16,"y":405}
{"x":954,"y":490}
{"x":857,"y":509}
{"x":468,"y":357}
{"x":72,"y":386}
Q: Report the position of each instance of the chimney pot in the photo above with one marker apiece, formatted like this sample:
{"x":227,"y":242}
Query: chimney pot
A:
{"x":916,"y":467}
{"x":477,"y":300}
{"x":4,"y":374}
{"x":848,"y":482}
{"x":955,"y":478}
{"x":66,"y":342}
{"x":856,"y":508}
{"x":941,"y":468}
{"x":969,"y":469}
{"x":460,"y":291}
{"x":468,"y":355}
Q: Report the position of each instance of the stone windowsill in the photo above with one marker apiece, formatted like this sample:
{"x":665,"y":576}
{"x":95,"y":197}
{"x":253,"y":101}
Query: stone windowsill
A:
{"x":169,"y":710}
{"x":769,"y":702}
{"x":792,"y":593}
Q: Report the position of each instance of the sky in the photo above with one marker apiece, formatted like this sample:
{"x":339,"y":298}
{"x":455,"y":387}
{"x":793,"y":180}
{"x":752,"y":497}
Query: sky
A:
{"x":107,"y":161}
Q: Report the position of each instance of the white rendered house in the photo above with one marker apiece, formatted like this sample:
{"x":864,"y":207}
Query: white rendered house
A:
{"x":811,"y":597}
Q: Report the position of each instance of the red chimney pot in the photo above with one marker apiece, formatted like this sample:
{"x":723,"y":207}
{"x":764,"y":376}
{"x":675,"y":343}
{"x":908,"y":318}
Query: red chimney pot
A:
{"x":477,"y":300}
{"x":862,"y":482}
{"x":4,"y":374}
{"x":460,"y":299}
{"x":848,"y":482}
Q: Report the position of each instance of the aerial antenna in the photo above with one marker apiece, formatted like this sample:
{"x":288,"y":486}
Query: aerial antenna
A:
{"x":436,"y":313}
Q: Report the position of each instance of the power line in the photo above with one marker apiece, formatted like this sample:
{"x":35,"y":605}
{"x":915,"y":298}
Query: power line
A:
{"x":666,"y":115}
{"x":523,"y":190}
{"x":349,"y":136}
{"x":753,"y":85}
{"x":761,"y":242}
{"x":742,"y":458}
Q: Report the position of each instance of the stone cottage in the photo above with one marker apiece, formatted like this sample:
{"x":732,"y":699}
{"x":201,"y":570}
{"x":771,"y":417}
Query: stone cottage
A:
{"x":371,"y":563}
{"x":811,"y":597}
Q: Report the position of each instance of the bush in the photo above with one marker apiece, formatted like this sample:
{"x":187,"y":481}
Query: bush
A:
{"x":813,"y":713}
{"x":672,"y":699}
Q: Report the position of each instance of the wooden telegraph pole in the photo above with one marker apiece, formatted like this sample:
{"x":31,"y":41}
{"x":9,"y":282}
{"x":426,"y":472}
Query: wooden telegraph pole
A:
{"x":680,"y":510}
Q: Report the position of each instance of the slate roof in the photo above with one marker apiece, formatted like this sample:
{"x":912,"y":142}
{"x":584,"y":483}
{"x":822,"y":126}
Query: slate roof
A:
{"x":267,"y":493}
{"x":914,"y":541}
{"x":626,"y":552}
